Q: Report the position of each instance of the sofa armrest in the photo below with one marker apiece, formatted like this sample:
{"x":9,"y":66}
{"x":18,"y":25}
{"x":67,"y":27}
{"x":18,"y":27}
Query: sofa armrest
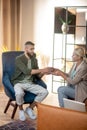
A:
{"x":54,"y":118}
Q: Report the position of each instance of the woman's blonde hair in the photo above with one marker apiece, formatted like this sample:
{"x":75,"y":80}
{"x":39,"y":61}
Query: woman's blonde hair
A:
{"x":81,"y":52}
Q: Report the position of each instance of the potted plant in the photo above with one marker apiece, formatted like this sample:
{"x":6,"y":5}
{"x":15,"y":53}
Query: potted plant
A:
{"x":64,"y":27}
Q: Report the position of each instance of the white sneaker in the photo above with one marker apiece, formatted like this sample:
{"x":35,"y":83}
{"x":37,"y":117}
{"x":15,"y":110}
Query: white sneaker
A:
{"x":30,"y":113}
{"x":22,"y":115}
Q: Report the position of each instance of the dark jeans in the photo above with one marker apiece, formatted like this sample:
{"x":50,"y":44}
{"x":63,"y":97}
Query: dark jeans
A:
{"x":40,"y":82}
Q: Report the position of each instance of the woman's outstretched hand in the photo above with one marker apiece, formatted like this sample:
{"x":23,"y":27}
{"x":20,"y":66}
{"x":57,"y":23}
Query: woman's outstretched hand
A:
{"x":56,"y":72}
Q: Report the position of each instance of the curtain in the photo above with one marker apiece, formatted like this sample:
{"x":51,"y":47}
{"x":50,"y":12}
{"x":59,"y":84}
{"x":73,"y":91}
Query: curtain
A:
{"x":10,"y":16}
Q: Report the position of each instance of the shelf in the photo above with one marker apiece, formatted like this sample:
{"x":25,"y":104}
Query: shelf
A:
{"x":80,"y":44}
{"x":74,"y":26}
{"x":65,"y":43}
{"x":59,"y":81}
{"x":68,"y":60}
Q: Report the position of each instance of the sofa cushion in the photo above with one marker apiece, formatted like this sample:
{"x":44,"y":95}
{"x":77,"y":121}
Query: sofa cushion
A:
{"x":54,"y":118}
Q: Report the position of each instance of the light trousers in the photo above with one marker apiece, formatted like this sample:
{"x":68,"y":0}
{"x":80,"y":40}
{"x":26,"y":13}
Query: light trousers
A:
{"x":39,"y":91}
{"x":67,"y":92}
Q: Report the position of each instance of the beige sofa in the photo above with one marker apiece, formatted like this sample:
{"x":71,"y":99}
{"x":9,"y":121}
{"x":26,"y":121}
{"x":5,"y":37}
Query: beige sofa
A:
{"x":54,"y":118}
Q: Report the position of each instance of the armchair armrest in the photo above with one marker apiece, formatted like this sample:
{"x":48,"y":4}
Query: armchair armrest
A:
{"x":8,"y":87}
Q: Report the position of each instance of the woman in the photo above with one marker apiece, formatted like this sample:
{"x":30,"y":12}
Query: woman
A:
{"x":76,"y":79}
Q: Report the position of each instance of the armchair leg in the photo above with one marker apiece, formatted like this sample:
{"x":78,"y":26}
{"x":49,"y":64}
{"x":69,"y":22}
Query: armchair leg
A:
{"x":14,"y":111}
{"x":7,"y":106}
{"x":14,"y":107}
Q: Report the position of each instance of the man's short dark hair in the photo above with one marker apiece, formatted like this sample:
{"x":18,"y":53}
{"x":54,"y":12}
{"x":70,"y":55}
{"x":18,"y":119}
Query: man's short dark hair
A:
{"x":29,"y":43}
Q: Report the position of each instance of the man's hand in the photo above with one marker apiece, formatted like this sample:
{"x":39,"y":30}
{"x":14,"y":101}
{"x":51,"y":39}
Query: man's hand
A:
{"x":47,"y":70}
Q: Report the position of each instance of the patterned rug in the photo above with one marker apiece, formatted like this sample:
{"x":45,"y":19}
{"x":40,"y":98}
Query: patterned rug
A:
{"x":20,"y":125}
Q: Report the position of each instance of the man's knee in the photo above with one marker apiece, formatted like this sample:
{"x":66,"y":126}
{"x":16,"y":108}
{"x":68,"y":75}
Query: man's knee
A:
{"x":19,"y":94}
{"x":45,"y":92}
{"x":18,"y":90}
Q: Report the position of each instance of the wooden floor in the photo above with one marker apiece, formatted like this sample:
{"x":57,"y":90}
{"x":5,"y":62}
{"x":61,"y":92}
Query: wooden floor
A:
{"x":5,"y":118}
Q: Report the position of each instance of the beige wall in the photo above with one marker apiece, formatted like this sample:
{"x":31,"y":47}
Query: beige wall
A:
{"x":26,"y":21}
{"x":43,"y":34}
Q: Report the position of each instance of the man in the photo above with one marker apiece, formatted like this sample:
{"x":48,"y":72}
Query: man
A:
{"x":26,"y":67}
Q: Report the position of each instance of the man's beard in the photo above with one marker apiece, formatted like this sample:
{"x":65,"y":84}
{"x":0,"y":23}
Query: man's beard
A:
{"x":29,"y":55}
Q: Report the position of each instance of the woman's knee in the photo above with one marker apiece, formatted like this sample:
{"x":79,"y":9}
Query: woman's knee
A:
{"x":61,"y":89}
